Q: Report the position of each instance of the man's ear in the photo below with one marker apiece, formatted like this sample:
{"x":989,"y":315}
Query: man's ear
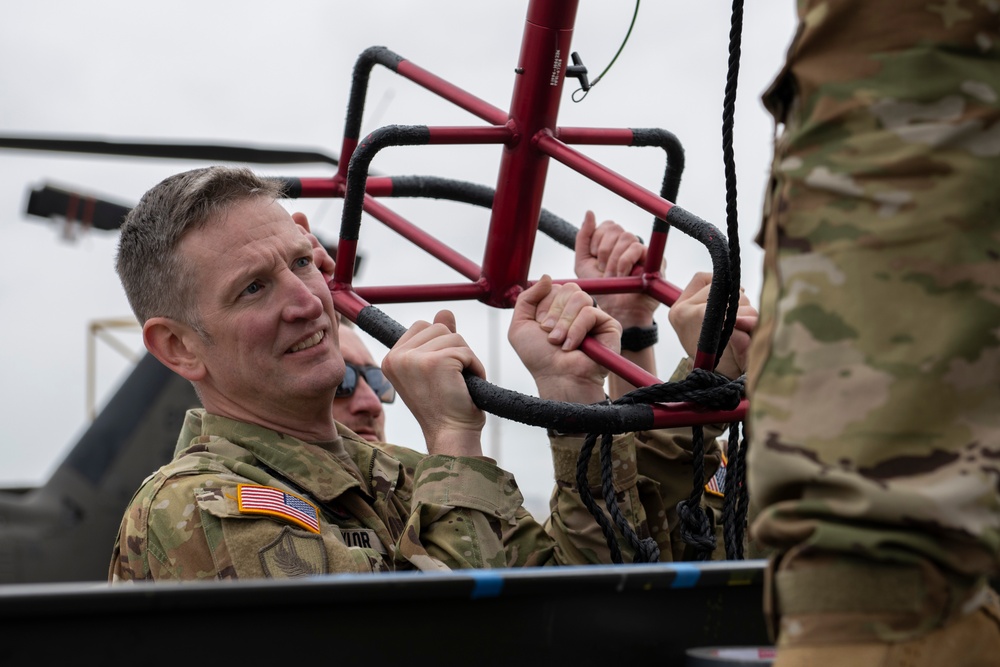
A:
{"x":301,"y":220}
{"x":176,"y":345}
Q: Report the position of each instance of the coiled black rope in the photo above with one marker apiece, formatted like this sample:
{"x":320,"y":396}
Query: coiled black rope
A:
{"x":695,"y":526}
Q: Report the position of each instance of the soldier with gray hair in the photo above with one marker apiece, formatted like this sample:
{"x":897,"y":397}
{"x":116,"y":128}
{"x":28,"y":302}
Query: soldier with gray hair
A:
{"x":874,"y":377}
{"x":232,"y":294}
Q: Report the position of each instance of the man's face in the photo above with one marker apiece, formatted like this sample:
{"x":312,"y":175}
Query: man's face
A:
{"x":273,"y":354}
{"x":361,"y":411}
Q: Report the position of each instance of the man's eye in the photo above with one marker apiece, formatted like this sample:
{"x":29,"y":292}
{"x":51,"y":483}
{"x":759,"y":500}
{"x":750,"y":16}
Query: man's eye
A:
{"x":252,"y":288}
{"x":303,"y":262}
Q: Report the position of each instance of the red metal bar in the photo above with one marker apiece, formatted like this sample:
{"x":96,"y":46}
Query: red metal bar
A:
{"x":670,"y":415}
{"x":598,"y":136}
{"x":618,"y":364}
{"x":321,"y":187}
{"x":622,"y":285}
{"x":541,"y":69}
{"x":470,"y":135}
{"x":415,"y":293}
{"x":452,"y":93}
{"x":346,"y":301}
{"x":661,"y":290}
{"x":343,"y":274}
{"x":422,"y":239}
{"x":346,"y":151}
{"x":654,"y":252}
{"x":600,"y":174}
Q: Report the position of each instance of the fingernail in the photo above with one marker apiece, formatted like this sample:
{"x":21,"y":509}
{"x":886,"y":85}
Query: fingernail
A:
{"x":548,"y":324}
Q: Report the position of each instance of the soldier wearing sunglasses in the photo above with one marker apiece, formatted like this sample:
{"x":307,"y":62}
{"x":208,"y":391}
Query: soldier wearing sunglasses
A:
{"x":360,"y":395}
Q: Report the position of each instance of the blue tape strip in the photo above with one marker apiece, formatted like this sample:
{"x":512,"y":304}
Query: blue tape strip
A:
{"x":488,"y":584}
{"x":687,"y":575}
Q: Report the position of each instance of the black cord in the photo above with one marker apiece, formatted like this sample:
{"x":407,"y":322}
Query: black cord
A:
{"x":620,"y":48}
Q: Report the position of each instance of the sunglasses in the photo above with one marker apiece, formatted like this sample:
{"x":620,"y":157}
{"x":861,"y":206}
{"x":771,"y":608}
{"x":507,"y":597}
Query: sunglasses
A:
{"x":373,"y":377}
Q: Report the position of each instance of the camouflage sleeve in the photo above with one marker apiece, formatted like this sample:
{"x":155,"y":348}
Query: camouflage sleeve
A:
{"x":460,"y":508}
{"x":190,"y":527}
{"x":162,"y":545}
{"x":874,"y":374}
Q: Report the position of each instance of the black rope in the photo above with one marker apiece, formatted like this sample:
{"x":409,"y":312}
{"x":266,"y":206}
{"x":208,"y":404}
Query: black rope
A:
{"x":729,"y":163}
{"x":743,"y":493}
{"x":737,"y":499}
{"x":646,"y":550}
{"x":583,"y":486}
{"x":696,"y":528}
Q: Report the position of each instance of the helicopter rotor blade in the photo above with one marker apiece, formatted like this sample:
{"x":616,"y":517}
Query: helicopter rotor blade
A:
{"x":209,"y":152}
{"x":94,"y":212}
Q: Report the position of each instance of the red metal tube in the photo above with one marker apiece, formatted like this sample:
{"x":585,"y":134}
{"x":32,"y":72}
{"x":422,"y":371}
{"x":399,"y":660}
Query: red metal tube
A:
{"x":545,"y":50}
{"x":597,"y":136}
{"x":415,"y":293}
{"x":470,"y":135}
{"x":452,"y":93}
{"x":600,"y":174}
{"x":669,"y":415}
{"x":422,"y":239}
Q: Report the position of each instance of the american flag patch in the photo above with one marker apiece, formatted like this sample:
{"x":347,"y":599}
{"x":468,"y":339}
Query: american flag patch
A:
{"x":253,"y":499}
{"x":717,"y":484}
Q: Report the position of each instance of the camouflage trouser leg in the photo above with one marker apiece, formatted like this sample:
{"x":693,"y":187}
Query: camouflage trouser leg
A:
{"x":875,"y":371}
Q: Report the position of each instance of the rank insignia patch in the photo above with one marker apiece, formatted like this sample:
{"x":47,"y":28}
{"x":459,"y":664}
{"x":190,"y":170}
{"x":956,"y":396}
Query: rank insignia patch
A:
{"x":717,"y":484}
{"x":253,"y":499}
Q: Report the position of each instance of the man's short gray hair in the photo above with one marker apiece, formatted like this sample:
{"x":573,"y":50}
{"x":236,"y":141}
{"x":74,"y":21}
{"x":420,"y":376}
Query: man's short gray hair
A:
{"x":152,"y":273}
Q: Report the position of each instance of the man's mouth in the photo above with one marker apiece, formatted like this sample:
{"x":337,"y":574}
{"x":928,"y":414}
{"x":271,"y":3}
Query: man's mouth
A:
{"x":308,"y":342}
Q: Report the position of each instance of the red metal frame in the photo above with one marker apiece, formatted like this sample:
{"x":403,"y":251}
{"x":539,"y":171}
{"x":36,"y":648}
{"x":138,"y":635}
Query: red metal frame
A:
{"x":529,"y":137}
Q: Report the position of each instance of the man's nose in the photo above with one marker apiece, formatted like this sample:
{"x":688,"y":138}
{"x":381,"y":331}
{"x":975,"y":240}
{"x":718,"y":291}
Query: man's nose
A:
{"x":364,"y":398}
{"x":300,"y":301}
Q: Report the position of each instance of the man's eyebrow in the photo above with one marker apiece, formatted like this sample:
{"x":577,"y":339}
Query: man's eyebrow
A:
{"x":240,"y":278}
{"x":304,"y":246}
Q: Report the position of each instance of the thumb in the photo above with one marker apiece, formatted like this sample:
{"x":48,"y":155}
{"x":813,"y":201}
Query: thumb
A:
{"x":584,"y":236}
{"x":447,"y":318}
{"x":526,"y":306}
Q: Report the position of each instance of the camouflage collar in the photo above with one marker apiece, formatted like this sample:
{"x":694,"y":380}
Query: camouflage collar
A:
{"x":309,"y":467}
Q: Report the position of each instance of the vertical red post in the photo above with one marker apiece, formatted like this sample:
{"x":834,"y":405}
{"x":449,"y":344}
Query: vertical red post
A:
{"x":541,"y":70}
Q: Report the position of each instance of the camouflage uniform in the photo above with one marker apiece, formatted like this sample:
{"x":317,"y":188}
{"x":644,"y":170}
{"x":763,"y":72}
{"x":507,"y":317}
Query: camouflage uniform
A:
{"x":198,"y":517}
{"x":874,"y":377}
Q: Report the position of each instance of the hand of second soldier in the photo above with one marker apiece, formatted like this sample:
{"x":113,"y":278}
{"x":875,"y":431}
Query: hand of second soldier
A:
{"x":688,"y":312}
{"x":548,"y":326}
{"x":608,"y":251}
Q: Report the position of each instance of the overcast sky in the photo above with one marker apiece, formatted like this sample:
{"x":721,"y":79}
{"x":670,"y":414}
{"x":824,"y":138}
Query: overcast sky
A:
{"x":278,"y":74}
